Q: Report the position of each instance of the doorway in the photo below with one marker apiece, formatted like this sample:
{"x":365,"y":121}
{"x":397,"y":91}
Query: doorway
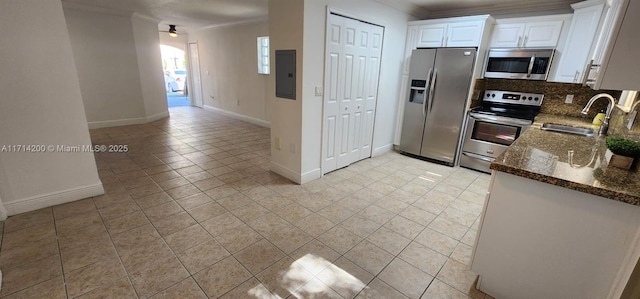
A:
{"x":174,"y":67}
{"x":194,"y":61}
{"x":352,"y":69}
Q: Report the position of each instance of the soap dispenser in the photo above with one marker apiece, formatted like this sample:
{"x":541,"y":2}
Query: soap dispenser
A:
{"x":599,"y":118}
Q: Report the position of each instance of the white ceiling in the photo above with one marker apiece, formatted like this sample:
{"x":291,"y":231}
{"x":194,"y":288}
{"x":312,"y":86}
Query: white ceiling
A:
{"x":191,"y":15}
{"x":188,"y":14}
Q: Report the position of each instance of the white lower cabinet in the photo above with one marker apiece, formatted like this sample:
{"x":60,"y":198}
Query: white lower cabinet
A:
{"x":538,"y":240}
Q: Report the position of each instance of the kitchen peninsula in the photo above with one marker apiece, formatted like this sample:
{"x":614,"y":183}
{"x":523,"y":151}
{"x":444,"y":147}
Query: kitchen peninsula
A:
{"x":556,"y":224}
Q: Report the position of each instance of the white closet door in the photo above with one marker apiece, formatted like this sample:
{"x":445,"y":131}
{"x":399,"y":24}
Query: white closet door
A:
{"x":371,"y":89}
{"x":351,"y":81}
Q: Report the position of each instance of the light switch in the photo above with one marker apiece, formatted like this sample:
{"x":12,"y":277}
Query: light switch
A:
{"x":318,"y":91}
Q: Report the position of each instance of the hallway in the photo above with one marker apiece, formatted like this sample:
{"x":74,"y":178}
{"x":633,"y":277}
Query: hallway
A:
{"x":192,"y":211}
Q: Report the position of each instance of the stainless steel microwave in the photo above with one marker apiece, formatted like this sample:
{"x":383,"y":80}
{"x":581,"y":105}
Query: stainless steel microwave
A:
{"x":528,"y":64}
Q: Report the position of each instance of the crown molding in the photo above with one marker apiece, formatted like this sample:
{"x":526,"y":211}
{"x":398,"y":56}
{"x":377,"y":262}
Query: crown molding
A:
{"x":147,"y":18}
{"x":96,"y":9}
{"x":537,"y":8}
{"x":242,"y":22}
{"x":587,"y":3}
{"x":407,"y":7}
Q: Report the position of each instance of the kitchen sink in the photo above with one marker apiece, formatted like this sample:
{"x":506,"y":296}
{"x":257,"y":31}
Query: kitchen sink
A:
{"x":568,"y":129}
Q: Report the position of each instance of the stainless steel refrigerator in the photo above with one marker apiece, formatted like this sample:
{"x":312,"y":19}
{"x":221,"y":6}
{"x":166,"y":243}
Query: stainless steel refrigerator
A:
{"x":435,"y":107}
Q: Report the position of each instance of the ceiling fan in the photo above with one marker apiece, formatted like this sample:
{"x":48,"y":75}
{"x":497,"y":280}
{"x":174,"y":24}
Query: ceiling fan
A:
{"x":173,"y":32}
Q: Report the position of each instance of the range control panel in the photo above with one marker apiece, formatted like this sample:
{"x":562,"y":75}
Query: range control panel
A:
{"x":513,"y":97}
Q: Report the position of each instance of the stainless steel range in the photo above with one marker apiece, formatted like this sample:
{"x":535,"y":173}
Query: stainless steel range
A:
{"x":496,"y":124}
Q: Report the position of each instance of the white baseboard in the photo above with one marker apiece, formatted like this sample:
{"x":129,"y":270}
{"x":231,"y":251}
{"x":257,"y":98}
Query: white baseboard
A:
{"x":286,"y":172}
{"x":157,"y":116}
{"x":310,"y":176}
{"x":127,"y":121}
{"x":253,"y":120}
{"x":382,"y":150}
{"x":52,"y":199}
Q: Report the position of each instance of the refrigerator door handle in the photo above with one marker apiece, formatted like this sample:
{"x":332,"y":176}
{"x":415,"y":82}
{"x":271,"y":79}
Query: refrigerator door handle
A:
{"x":432,"y":87}
{"x":424,"y":102}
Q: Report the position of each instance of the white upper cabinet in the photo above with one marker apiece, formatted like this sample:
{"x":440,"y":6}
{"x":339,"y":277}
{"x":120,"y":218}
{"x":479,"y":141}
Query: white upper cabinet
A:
{"x":448,"y":32}
{"x":432,"y":35}
{"x":618,"y":69}
{"x":542,"y":34}
{"x":531,"y":32}
{"x":507,"y":35}
{"x":572,"y":57}
{"x":464,"y":34}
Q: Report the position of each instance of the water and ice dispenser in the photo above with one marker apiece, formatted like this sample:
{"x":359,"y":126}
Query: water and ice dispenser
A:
{"x":417,"y":94}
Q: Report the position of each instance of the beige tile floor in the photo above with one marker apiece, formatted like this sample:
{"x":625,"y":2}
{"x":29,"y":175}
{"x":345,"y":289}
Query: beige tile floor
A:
{"x":192,"y":211}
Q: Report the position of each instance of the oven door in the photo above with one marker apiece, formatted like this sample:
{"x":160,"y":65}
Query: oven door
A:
{"x":486,"y":137}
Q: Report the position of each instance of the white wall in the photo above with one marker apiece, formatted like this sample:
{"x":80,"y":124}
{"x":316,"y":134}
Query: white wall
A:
{"x":147,"y":42}
{"x":285,"y":33}
{"x":395,"y":23}
{"x":41,"y":104}
{"x":229,"y":71}
{"x":299,"y":123}
{"x":106,"y":59}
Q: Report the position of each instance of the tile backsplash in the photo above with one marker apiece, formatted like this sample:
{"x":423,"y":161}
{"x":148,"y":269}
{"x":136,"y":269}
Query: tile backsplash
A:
{"x":554,"y":95}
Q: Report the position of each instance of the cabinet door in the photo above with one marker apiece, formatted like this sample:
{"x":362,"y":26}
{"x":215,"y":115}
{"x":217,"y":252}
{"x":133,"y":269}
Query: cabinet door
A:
{"x":507,"y":35}
{"x":620,"y":70}
{"x":580,"y":41}
{"x":542,"y":34}
{"x":465,"y":34}
{"x":430,"y":36}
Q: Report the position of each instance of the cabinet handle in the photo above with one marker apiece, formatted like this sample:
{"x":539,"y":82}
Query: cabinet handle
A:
{"x":524,"y":42}
{"x":443,"y":41}
{"x":519,"y":40}
{"x":575,"y":77}
{"x":590,"y":66}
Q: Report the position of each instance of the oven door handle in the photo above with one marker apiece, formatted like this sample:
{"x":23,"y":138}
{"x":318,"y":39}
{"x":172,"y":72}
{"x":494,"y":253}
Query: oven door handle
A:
{"x":531,"y":62}
{"x":479,"y":157}
{"x":500,"y":120}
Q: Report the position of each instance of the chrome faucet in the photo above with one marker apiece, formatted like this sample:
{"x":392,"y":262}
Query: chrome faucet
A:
{"x":605,"y":123}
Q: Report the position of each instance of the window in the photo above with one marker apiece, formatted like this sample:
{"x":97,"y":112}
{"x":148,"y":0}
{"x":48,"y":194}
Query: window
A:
{"x":263,"y":55}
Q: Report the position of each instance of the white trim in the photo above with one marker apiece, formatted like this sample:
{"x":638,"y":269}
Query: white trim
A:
{"x":248,"y":21}
{"x":512,"y":9}
{"x":587,"y":3}
{"x":126,"y":121}
{"x":157,"y":116}
{"x":3,"y":217}
{"x":147,"y":18}
{"x":97,"y":9}
{"x":286,"y":172}
{"x":253,"y":120}
{"x":406,"y":7}
{"x":382,"y":150}
{"x":310,"y":176}
{"x":342,"y":13}
{"x":51,"y":199}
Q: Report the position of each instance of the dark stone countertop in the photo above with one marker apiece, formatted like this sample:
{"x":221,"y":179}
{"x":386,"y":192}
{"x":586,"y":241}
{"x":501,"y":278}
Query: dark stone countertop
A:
{"x":544,"y":156}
